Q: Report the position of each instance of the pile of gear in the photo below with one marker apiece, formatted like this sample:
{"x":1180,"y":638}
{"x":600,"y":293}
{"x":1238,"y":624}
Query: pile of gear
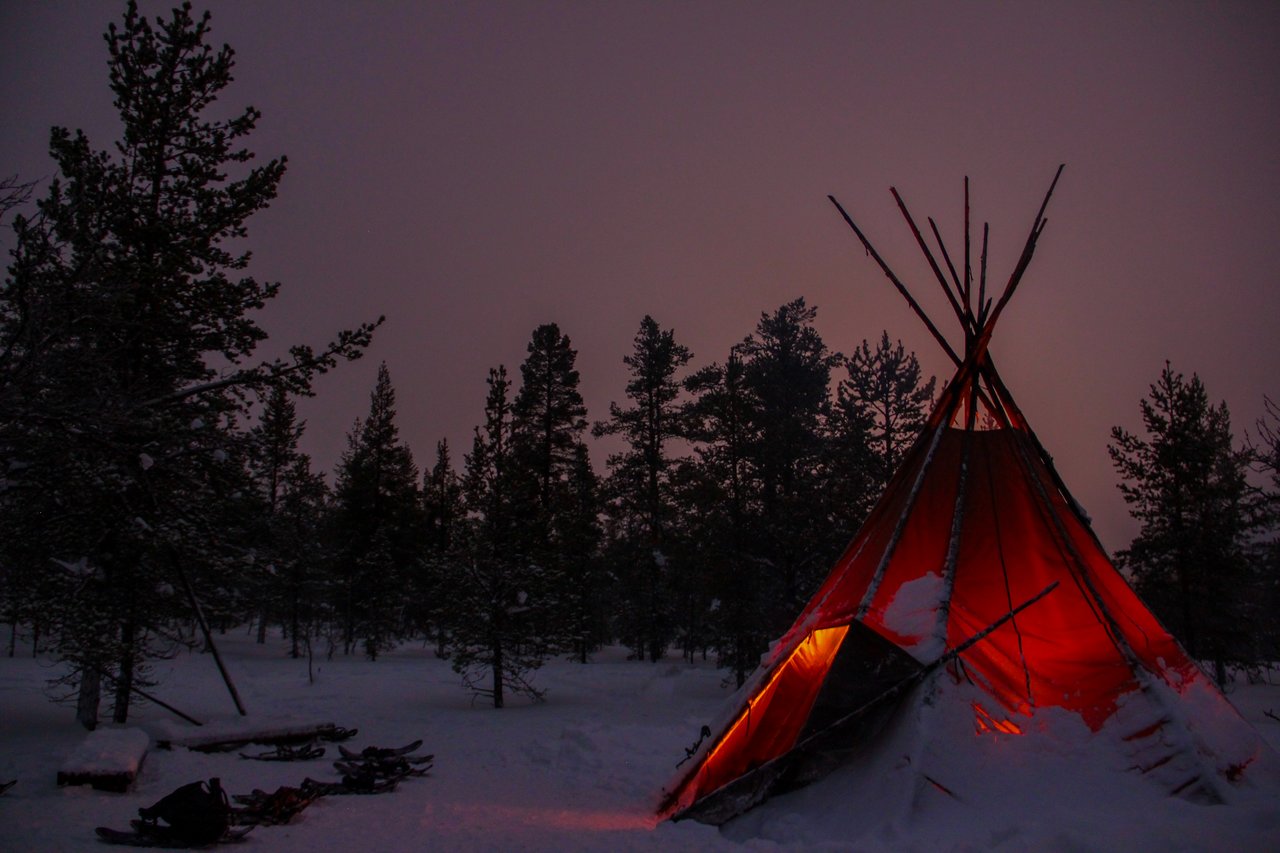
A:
{"x":199,"y":814}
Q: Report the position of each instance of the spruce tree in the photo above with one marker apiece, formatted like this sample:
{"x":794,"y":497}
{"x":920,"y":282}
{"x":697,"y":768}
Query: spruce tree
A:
{"x":787,"y":366}
{"x":548,"y":419}
{"x":720,"y":492}
{"x":494,"y":594}
{"x":885,"y":387}
{"x":444,"y":514}
{"x":287,"y":582}
{"x":1185,"y":484}
{"x":120,"y":436}
{"x":376,"y":525}
{"x":639,"y":485}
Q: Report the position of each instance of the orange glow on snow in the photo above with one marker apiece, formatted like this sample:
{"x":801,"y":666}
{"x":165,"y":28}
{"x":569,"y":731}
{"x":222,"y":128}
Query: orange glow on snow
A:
{"x":497,"y":814}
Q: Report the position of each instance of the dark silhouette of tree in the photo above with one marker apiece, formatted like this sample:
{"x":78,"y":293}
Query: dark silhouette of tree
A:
{"x":639,"y":488}
{"x":788,"y":370}
{"x":287,"y":580}
{"x":376,"y":525}
{"x":885,"y":386}
{"x":494,"y":593}
{"x":720,"y":498}
{"x":1185,"y":484}
{"x":444,"y":514}
{"x":125,"y":289}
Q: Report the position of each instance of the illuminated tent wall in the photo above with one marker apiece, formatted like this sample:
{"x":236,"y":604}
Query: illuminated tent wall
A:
{"x":976,"y":564}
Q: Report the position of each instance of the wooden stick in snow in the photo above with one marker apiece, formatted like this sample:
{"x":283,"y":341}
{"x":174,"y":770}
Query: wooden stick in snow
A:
{"x":208,"y":636}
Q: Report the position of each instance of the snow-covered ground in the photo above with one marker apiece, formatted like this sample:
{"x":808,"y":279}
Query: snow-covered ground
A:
{"x":583,"y":770}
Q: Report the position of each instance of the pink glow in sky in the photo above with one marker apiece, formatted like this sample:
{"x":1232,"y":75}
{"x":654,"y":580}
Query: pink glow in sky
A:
{"x":472,"y":170}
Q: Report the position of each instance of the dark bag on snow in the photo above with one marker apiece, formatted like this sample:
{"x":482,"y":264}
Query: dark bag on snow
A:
{"x":196,"y":814}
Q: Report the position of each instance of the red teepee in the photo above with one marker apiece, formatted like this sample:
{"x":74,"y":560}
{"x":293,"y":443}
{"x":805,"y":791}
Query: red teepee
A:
{"x":978,"y":563}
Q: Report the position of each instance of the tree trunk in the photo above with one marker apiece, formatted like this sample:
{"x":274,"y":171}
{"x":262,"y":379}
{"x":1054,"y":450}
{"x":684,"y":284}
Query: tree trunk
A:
{"x":124,"y":684}
{"x":497,"y":674}
{"x":87,"y":701}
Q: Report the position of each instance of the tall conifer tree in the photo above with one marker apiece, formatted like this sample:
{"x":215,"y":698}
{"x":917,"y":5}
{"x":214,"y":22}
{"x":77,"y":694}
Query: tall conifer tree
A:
{"x":123,"y":294}
{"x":639,"y":485}
{"x":1185,"y":483}
{"x":376,"y":524}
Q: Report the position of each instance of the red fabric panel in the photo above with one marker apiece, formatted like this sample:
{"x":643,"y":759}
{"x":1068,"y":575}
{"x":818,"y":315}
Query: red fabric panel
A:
{"x":772,"y":720}
{"x":1010,"y":549}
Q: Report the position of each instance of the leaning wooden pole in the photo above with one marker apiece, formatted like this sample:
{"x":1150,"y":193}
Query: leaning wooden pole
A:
{"x":145,"y":695}
{"x":208,"y":636}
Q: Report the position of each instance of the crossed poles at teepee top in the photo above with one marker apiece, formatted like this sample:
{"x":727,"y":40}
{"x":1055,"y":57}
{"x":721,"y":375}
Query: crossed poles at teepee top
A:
{"x":978,"y":327}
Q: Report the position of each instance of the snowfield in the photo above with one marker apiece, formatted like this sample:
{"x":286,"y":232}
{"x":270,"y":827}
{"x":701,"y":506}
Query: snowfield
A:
{"x":583,"y":770}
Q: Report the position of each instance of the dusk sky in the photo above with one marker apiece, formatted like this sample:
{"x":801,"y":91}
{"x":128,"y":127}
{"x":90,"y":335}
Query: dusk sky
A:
{"x":472,"y":170}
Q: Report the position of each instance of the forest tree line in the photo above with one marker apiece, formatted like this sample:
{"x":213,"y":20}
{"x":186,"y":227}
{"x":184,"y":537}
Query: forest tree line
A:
{"x":143,"y":490}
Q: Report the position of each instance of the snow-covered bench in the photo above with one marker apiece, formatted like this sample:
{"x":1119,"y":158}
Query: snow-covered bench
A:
{"x":108,"y":759}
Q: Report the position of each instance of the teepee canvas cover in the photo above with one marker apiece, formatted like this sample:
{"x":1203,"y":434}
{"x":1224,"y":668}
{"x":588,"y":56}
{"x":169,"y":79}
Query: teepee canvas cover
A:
{"x":978,"y":565}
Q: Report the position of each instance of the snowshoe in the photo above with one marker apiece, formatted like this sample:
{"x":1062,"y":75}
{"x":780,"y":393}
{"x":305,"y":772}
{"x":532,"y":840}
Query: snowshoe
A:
{"x":148,"y":838}
{"x":4,"y":786}
{"x":380,"y":751}
{"x":338,"y":733}
{"x":274,"y":809}
{"x":283,"y":752}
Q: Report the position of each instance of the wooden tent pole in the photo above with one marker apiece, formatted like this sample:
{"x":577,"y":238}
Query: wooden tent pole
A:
{"x":957,"y":525}
{"x":946,"y":257}
{"x":915,"y":306}
{"x":982,"y":279}
{"x":924,"y":247}
{"x":1027,"y":250}
{"x":968,"y":266}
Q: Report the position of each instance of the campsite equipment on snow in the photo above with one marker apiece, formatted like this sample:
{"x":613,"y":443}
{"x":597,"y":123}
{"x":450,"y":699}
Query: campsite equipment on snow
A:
{"x":193,"y":815}
{"x":975,"y":562}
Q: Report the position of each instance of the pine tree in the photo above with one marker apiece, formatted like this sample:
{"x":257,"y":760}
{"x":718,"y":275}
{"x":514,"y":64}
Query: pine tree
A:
{"x":1265,"y":553}
{"x":120,"y":439}
{"x":443,"y":515}
{"x":639,"y":482}
{"x":494,"y":594}
{"x":1185,"y":484}
{"x":548,"y":419}
{"x":884,"y":385}
{"x":584,"y":623}
{"x":292,"y":499}
{"x":376,"y":525}
{"x":788,"y":369}
{"x":720,"y":494}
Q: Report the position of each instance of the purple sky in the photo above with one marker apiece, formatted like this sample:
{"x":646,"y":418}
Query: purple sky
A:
{"x":474,"y":169}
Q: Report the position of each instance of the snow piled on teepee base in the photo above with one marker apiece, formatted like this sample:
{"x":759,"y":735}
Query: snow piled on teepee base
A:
{"x":943,"y":778}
